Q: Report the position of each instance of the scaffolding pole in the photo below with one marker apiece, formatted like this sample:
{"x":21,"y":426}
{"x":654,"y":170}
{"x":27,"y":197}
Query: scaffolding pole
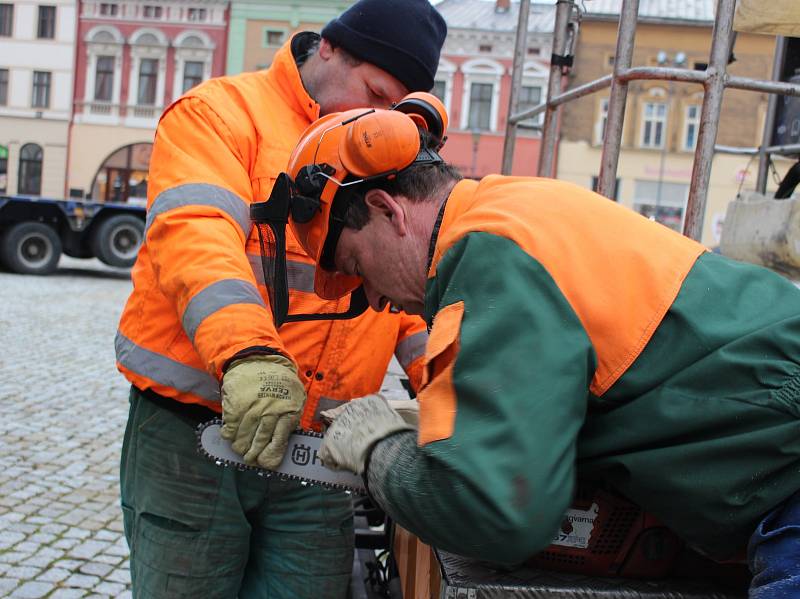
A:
{"x":516,"y":84}
{"x":612,"y":139}
{"x":709,"y":119}
{"x":547,"y":149}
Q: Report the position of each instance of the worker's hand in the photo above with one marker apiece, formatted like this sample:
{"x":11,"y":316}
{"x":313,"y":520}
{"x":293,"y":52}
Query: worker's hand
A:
{"x":356,"y":427}
{"x":262,"y":399}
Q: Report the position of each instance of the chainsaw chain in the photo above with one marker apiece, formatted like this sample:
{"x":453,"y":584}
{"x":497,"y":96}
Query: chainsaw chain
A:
{"x":263,"y":472}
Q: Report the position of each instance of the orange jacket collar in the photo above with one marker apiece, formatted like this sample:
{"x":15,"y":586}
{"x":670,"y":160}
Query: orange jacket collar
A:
{"x":285,"y":75}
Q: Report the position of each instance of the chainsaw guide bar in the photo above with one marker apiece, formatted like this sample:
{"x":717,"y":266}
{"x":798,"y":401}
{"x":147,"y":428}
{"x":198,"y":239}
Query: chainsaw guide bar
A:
{"x":301,"y":461}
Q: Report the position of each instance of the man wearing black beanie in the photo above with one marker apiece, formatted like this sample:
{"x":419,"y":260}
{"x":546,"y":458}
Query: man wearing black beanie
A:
{"x":197,"y":338}
{"x":409,"y":49}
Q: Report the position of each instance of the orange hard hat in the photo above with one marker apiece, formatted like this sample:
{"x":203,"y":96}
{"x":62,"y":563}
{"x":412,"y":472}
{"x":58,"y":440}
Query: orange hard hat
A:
{"x":349,"y":148}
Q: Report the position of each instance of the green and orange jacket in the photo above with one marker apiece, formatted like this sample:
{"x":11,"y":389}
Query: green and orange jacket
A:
{"x":199,"y":297}
{"x":574,"y":339}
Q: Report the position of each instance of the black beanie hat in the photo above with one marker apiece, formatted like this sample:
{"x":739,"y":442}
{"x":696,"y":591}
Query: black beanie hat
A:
{"x":402,"y":37}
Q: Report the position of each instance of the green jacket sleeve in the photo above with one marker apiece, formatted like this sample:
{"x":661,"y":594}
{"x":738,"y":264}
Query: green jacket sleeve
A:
{"x":498,"y":486}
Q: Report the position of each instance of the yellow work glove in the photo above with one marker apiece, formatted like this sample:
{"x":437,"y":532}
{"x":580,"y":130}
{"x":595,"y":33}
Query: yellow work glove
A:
{"x":262,"y":400}
{"x":356,"y":427}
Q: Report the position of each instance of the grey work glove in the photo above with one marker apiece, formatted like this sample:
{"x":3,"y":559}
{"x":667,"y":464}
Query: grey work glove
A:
{"x":356,"y":427}
{"x":262,"y":400}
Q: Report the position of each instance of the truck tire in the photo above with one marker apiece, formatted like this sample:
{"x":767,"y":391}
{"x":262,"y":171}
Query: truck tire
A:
{"x":31,"y":249}
{"x":117,"y":239}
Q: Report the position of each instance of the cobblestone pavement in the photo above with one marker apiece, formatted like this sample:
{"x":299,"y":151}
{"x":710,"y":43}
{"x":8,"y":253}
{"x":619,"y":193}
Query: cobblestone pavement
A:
{"x":63,"y":407}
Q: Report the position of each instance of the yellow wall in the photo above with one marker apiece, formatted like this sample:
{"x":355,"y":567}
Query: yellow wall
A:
{"x":91,"y":144}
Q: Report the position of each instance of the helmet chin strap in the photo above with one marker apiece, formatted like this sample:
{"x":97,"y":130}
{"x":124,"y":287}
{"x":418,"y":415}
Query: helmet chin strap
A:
{"x":271,"y":218}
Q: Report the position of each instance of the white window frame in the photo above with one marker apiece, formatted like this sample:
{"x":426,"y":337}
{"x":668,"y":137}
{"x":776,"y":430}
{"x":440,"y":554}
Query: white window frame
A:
{"x":481,"y":70}
{"x":445,"y":73}
{"x":655,"y":119}
{"x":689,"y":121}
{"x":265,"y":30}
{"x":534,"y":74}
{"x":602,"y":121}
{"x":146,"y":116}
{"x":102,"y":112}
{"x":184,"y":54}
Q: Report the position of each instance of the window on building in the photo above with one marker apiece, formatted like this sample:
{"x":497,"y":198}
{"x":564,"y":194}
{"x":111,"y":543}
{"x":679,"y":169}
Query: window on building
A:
{"x":700,"y":66}
{"x":6,"y":20}
{"x":273,"y":37}
{"x":529,"y":97}
{"x":3,"y":169}
{"x":41,"y":89}
{"x":148,"y":76}
{"x":151,"y":12}
{"x":3,"y":87}
{"x":534,"y":51}
{"x":602,"y":120}
{"x":46,"y":28}
{"x":661,"y":201}
{"x":690,"y":127}
{"x":480,"y":106}
{"x":615,"y":194}
{"x":109,"y":9}
{"x":30,"y":170}
{"x":654,"y":124}
{"x":610,"y":60}
{"x":438,"y":89}
{"x":196,"y":14}
{"x":485,"y":48}
{"x":104,"y":79}
{"x":192,"y":74}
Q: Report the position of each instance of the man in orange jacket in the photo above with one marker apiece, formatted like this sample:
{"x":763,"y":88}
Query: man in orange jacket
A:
{"x":197,"y":336}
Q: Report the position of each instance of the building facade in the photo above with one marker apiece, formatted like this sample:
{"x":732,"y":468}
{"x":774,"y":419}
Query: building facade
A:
{"x":134,"y":57}
{"x":662,"y":119}
{"x":474,"y":82}
{"x":36,"y":74}
{"x":258,"y":29}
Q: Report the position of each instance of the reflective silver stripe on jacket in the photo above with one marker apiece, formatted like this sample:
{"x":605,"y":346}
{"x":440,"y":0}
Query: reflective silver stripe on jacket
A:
{"x":165,"y":371}
{"x":300,"y":276}
{"x":411,"y":348}
{"x":201,"y":194}
{"x":216,"y":296}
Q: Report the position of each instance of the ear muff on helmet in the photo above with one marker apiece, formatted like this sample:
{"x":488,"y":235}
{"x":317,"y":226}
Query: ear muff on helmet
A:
{"x":427,"y":111}
{"x":307,"y":189}
{"x":379,"y":144}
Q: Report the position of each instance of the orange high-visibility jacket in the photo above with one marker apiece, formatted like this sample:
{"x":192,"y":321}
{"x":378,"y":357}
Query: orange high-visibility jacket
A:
{"x":199,"y":295}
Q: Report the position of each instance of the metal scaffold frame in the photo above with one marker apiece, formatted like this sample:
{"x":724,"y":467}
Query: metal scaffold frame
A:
{"x":714,"y":81}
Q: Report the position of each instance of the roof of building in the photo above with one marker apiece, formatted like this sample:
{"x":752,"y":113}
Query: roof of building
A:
{"x":481,"y":14}
{"x":662,"y":10}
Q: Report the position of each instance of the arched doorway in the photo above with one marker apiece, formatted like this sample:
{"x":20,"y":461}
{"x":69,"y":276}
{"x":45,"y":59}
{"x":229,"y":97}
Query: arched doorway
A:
{"x":123,"y":175}
{"x":30,"y":170}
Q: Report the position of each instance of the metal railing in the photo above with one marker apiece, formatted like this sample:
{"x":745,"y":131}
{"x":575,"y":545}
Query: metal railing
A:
{"x":714,"y":81}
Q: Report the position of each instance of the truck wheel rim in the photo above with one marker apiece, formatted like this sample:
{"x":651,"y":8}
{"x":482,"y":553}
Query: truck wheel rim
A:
{"x":125,"y":241}
{"x":35,"y":250}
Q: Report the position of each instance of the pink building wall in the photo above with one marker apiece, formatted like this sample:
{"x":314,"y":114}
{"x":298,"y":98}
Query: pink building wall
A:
{"x":460,"y":149}
{"x":217,"y":34}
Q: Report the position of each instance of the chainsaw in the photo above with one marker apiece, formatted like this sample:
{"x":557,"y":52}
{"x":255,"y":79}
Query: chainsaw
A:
{"x":301,"y":461}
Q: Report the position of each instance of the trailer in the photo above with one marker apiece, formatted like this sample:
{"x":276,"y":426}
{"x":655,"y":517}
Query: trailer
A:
{"x":35,"y":231}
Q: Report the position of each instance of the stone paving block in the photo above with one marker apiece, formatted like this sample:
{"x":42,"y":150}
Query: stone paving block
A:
{"x":111,"y":589}
{"x":81,"y":581}
{"x":122,"y":575}
{"x":32,"y":590}
{"x":96,"y":569}
{"x":13,"y":557}
{"x":53,"y":575}
{"x":7,"y":585}
{"x":87,"y":550}
{"x":23,"y":572}
{"x":67,"y":594}
{"x":77,"y":533}
{"x":9,"y":538}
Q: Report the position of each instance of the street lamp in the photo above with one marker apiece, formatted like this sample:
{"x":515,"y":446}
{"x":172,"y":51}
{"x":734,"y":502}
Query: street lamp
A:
{"x":476,"y":138}
{"x":663,"y":60}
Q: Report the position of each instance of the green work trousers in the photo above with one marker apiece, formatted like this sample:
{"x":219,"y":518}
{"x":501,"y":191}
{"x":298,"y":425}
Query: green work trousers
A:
{"x":198,"y":530}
